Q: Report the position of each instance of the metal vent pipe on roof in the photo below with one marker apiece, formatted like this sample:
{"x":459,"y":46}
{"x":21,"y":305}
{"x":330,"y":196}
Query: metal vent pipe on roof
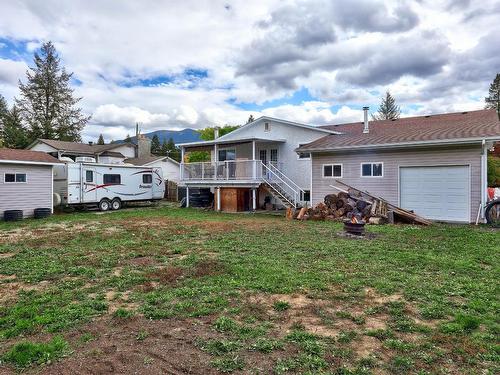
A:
{"x":216,"y":132}
{"x":365,"y":120}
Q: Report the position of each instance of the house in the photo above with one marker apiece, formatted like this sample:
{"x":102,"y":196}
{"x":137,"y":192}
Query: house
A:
{"x":26,"y":180}
{"x":114,"y":153}
{"x":435,"y":165}
{"x":254,"y":164}
{"x":169,"y":166}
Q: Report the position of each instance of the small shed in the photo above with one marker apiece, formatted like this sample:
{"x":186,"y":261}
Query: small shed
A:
{"x":26,"y":180}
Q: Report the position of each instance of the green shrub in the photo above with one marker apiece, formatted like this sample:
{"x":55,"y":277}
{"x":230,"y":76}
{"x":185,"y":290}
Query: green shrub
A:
{"x":25,"y":354}
{"x":281,"y":305}
{"x":493,"y":171}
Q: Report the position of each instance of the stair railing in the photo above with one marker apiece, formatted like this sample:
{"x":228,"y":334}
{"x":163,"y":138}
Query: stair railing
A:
{"x":281,"y":184}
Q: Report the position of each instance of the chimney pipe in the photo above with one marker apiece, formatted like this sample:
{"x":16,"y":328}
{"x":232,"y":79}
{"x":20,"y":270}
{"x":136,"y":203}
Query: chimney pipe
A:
{"x":91,"y":143}
{"x":366,"y":129}
{"x":216,"y":132}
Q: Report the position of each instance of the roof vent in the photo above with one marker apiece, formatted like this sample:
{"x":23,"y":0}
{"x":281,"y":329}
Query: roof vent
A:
{"x":464,"y":113}
{"x":394,"y":119}
{"x":427,"y":116}
{"x":366,"y":129}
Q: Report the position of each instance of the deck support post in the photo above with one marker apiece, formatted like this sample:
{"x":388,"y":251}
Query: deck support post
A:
{"x":216,"y":158}
{"x":254,"y":199}
{"x":254,"y":166}
{"x":187,"y":196}
{"x":218,"y":207}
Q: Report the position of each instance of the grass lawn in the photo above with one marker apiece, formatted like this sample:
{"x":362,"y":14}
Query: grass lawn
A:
{"x":167,"y":290}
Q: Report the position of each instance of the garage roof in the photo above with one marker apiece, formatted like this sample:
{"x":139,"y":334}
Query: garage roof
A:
{"x":448,"y":127}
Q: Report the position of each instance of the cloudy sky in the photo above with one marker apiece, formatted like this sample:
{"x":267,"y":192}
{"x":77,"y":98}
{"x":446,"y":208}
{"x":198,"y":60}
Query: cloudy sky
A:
{"x":194,"y":63}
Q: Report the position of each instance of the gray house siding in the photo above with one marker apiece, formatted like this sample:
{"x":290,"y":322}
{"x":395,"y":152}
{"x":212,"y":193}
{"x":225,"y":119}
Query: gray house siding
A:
{"x":387,"y":186}
{"x":35,"y":193}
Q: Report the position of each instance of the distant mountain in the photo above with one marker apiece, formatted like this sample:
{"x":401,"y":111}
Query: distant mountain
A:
{"x":179,"y":136}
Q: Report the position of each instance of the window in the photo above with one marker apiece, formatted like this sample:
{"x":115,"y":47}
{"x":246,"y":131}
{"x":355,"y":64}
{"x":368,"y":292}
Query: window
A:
{"x":372,"y":169}
{"x":112,"y":179}
{"x":147,"y":178}
{"x":304,"y":155}
{"x":274,"y":155}
{"x":332,"y":170}
{"x":267,"y":127}
{"x":305,"y":196}
{"x":227,"y":155}
{"x":89,"y":176}
{"x":15,"y":177}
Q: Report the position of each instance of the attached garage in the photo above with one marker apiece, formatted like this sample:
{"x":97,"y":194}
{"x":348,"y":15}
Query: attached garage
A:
{"x":436,"y":192}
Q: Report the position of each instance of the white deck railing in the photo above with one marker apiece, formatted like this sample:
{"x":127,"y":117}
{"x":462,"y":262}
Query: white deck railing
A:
{"x":244,"y":170}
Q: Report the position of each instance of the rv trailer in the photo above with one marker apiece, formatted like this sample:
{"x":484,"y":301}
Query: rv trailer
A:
{"x":107,"y":186}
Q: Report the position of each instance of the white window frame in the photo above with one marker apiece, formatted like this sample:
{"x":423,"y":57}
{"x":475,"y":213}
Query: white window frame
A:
{"x":371,"y":163}
{"x":332,"y":165}
{"x":298,"y":154}
{"x":15,"y":178}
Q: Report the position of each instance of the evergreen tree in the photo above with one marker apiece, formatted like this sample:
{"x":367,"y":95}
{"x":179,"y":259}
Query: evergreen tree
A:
{"x":493,"y":99}
{"x":4,"y":110}
{"x":13,"y":133}
{"x":128,"y":139}
{"x":164,"y":148}
{"x":47,"y":105}
{"x":100,"y":140}
{"x":155,"y":145}
{"x":173,"y":151}
{"x":388,"y":109}
{"x":250,"y":119}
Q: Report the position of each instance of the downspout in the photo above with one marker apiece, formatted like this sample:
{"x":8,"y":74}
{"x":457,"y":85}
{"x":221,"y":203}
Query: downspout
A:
{"x":484,"y":176}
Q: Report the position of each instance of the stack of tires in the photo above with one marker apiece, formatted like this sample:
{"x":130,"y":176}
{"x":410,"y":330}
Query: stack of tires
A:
{"x":200,"y":197}
{"x":13,"y":215}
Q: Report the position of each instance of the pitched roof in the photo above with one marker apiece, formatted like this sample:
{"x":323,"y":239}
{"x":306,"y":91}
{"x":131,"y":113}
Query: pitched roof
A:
{"x":148,"y":159}
{"x":80,"y":147}
{"x":448,"y":127}
{"x":26,"y":156}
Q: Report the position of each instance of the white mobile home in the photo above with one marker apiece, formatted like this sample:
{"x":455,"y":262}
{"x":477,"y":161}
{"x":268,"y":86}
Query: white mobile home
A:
{"x":107,"y":186}
{"x":25,"y":180}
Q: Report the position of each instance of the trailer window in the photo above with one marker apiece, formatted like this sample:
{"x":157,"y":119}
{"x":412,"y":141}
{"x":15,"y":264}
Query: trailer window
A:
{"x":89,"y":176}
{"x":112,"y":179}
{"x":147,"y":178}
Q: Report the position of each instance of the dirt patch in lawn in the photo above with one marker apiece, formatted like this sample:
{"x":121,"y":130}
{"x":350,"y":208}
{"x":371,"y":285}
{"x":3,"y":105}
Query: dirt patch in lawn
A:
{"x":48,"y":230}
{"x":142,"y":346}
{"x":10,"y":287}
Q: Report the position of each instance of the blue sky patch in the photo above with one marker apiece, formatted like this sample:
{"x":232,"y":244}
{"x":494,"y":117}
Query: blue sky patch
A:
{"x":15,"y":50}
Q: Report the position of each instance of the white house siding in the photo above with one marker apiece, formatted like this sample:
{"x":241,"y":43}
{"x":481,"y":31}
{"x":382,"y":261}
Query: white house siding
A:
{"x":298,"y":170}
{"x":35,"y":193}
{"x":126,"y":150}
{"x":40,"y":146}
{"x":387,"y":186}
{"x":169,"y":169}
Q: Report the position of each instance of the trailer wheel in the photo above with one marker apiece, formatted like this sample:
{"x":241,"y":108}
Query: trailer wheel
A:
{"x":104,"y":205}
{"x":116,"y":204}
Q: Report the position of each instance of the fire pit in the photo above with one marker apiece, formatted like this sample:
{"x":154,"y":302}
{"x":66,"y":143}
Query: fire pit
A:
{"x":354,"y":226}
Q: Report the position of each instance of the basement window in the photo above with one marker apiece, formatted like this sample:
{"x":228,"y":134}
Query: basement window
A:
{"x":14,"y":177}
{"x":305,"y":196}
{"x":372,"y":170}
{"x":332,"y":170}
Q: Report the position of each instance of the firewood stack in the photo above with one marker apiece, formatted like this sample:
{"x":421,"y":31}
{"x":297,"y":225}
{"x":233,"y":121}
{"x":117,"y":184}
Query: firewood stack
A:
{"x":357,"y":206}
{"x":339,"y":207}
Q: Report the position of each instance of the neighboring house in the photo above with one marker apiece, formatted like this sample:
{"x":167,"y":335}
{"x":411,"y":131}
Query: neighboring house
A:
{"x":169,"y":166}
{"x":26,"y":180}
{"x":114,"y":153}
{"x":434,"y":165}
{"x":253,"y":164}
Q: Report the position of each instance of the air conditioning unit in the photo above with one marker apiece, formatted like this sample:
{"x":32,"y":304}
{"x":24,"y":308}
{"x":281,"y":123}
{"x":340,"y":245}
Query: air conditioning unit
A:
{"x":85,"y":159}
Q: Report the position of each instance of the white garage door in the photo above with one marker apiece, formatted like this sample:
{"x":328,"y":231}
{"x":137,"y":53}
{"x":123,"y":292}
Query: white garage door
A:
{"x":437,"y":193}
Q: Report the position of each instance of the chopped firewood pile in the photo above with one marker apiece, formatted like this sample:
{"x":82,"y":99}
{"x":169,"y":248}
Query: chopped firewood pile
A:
{"x":351,"y":204}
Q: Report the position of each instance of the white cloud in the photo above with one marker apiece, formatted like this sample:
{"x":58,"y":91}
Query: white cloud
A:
{"x":254,"y":52}
{"x":313,"y":112}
